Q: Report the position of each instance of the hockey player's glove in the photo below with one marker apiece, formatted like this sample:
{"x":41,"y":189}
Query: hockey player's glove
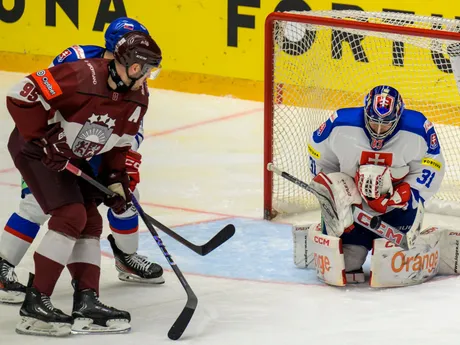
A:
{"x":57,"y":151}
{"x":373,"y":181}
{"x":133,"y":162}
{"x":118,"y":183}
{"x":400,"y":198}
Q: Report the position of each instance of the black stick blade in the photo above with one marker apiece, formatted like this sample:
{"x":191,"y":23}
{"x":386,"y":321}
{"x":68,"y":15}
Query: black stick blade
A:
{"x":181,"y":323}
{"x":220,"y":238}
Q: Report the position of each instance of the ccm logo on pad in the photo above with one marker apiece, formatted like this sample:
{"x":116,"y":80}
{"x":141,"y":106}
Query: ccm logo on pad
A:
{"x":321,"y":241}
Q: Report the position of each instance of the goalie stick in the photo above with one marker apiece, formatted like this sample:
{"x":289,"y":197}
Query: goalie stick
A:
{"x":185,"y":316}
{"x":372,"y":223}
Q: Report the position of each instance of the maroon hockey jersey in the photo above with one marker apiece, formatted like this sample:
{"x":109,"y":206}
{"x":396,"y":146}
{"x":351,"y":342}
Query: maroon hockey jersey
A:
{"x":96,"y":120}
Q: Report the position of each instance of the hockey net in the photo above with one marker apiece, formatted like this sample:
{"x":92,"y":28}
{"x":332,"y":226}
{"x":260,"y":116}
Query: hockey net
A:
{"x":320,"y":61}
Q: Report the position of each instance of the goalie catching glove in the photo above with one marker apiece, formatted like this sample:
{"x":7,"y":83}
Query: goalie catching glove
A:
{"x":374,"y":183}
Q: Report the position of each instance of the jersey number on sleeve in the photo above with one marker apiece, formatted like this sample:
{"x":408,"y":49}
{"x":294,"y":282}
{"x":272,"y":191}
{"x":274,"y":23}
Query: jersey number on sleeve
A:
{"x":426,"y":178}
{"x":29,"y":92}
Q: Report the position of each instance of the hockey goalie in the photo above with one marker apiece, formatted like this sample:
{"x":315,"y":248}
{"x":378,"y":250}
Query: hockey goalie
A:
{"x":377,"y":160}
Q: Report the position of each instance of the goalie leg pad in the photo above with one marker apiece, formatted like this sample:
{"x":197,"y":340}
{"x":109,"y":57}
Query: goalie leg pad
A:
{"x":450,"y":250}
{"x":392,"y":267}
{"x":315,"y":250}
{"x":303,"y":253}
{"x":328,"y":258}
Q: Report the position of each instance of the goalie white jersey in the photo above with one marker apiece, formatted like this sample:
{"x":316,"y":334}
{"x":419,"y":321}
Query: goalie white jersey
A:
{"x":413,"y":151}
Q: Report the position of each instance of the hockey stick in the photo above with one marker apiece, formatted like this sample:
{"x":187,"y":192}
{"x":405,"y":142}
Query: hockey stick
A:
{"x":220,"y":238}
{"x":192,"y":301}
{"x":372,"y":223}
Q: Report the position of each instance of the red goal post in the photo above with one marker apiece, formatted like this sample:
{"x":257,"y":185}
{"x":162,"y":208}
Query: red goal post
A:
{"x":320,"y":61}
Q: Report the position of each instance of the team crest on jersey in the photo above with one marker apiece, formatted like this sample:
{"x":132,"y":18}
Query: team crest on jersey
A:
{"x":427,"y":125}
{"x":433,"y":141}
{"x":376,"y":158}
{"x":321,"y":129}
{"x":384,"y":102}
{"x":64,"y":55}
{"x":93,"y":135}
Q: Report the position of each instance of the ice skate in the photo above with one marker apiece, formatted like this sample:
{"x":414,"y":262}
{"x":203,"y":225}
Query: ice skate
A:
{"x":92,"y":316}
{"x":11,"y":291}
{"x":135,"y":267}
{"x":40,"y":317}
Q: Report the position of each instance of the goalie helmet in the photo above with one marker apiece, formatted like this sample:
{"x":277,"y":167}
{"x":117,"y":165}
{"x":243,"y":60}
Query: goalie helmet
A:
{"x":383,"y":107}
{"x":120,"y":27}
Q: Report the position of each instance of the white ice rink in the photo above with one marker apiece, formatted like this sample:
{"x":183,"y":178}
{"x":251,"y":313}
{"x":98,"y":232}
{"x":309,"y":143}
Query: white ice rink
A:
{"x":202,"y":168}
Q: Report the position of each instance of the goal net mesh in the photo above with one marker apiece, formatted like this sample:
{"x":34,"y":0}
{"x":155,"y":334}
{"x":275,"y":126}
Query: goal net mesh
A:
{"x":319,"y":68}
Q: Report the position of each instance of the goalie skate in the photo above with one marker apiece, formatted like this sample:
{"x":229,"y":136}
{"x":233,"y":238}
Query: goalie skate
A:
{"x":135,"y":267}
{"x":93,"y":317}
{"x":11,"y":291}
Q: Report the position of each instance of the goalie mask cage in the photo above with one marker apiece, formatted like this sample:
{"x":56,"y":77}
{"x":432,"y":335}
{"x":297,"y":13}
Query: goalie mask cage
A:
{"x":320,"y":61}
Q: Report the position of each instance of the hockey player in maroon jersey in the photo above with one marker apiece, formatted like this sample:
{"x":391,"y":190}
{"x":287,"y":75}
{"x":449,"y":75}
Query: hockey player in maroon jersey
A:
{"x":73,"y":112}
{"x":23,"y":226}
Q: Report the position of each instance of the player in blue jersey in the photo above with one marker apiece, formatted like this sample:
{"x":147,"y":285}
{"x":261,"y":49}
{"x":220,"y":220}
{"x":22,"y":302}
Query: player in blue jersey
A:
{"x":23,"y":226}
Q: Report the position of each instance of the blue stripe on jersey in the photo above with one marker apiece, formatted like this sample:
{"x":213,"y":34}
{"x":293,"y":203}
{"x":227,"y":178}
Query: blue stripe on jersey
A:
{"x":353,"y":117}
{"x":22,"y":228}
{"x":123,"y":225}
{"x":415,"y":122}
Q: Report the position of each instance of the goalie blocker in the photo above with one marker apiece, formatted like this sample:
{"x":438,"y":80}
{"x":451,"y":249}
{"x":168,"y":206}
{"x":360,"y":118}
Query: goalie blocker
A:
{"x":436,"y":251}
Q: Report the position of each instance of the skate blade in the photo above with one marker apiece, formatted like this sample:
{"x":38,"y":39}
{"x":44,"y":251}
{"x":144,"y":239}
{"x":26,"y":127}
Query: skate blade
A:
{"x":11,"y":297}
{"x":132,"y":278}
{"x":86,"y":326}
{"x":31,"y":326}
